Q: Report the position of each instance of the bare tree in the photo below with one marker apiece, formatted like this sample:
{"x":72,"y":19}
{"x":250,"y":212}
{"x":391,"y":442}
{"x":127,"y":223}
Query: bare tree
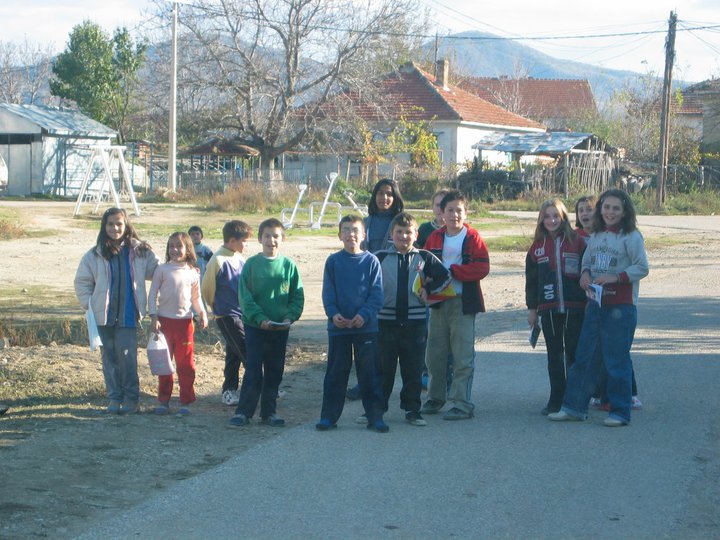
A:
{"x":24,"y":72}
{"x":273,"y":64}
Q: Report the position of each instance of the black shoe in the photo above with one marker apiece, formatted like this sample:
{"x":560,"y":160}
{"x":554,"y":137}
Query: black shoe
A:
{"x":414,"y":418}
{"x":273,"y":420}
{"x":432,"y":406}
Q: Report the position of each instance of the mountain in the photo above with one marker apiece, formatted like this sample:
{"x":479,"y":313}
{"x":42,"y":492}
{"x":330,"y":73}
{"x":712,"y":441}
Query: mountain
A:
{"x":485,"y":55}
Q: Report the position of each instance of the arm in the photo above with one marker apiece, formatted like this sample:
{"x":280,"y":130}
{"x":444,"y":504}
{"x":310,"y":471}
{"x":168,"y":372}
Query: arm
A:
{"x":531,"y":288}
{"x":375,"y":298}
{"x":251,"y":310}
{"x":85,"y":280}
{"x":639,"y":267}
{"x":477,"y":264}
{"x":329,"y":295}
{"x":207,"y":288}
{"x":296,"y":300}
{"x":196,"y":301}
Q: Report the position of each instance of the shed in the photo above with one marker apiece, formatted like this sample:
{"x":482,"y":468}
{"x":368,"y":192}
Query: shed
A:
{"x":46,"y":149}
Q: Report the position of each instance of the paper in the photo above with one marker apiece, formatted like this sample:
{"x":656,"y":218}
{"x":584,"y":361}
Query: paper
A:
{"x":279,"y":325}
{"x":93,"y":335}
{"x":595,"y":293}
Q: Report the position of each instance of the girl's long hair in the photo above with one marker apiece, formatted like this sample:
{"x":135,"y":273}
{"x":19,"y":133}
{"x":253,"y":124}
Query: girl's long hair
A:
{"x":565,"y":226}
{"x":190,"y":256}
{"x":398,"y":204}
{"x":629,"y":221}
{"x":107,"y":246}
{"x":592,"y":201}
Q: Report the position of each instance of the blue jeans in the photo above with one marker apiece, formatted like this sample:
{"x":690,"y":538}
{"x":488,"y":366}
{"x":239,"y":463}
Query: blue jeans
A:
{"x":119,"y":363}
{"x":609,"y":329}
{"x":264,"y":367}
{"x":341,"y":349}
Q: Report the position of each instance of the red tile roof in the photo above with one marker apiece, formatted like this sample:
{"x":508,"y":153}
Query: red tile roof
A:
{"x":536,"y":98}
{"x":411,"y":91}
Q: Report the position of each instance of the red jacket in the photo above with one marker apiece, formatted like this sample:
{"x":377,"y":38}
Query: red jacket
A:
{"x":475,"y":266}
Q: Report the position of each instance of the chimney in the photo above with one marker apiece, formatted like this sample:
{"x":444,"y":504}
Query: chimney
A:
{"x":442,"y":76}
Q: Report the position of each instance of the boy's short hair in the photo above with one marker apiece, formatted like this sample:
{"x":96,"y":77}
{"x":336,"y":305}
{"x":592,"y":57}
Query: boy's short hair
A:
{"x":453,"y":195}
{"x":350,"y":218}
{"x":403,"y":219}
{"x":270,"y":223}
{"x":236,"y":229}
{"x":196,"y":228}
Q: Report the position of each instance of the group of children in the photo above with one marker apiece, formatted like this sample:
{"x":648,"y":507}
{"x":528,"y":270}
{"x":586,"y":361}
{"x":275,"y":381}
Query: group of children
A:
{"x":396,"y":294}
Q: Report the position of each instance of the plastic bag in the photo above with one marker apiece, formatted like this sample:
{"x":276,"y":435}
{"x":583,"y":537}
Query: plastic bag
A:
{"x":159,"y":355}
{"x":93,"y":335}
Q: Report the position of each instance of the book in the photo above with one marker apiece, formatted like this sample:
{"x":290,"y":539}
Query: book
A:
{"x":595,"y":293}
{"x":534,"y":335}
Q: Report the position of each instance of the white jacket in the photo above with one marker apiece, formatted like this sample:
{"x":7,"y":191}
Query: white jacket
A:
{"x":92,"y":280}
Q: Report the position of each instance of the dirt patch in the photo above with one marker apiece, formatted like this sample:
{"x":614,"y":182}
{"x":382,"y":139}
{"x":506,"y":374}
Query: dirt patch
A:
{"x":64,"y":461}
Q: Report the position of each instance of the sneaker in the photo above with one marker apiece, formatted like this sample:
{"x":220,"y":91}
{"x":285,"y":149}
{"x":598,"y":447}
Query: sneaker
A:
{"x":379,"y":425}
{"x":162,"y":409}
{"x":432,"y":406}
{"x":325,"y":425}
{"x":183,"y":411}
{"x":353,"y":393}
{"x":239,"y":420}
{"x":129,"y":408}
{"x":273,"y":420}
{"x":113,"y":407}
{"x":230,"y":397}
{"x":457,"y":414}
{"x":595,"y":403}
{"x":636,"y":403}
{"x":562,"y":416}
{"x":547,"y":410}
{"x":362,"y":419}
{"x":414,"y":418}
{"x":611,"y":421}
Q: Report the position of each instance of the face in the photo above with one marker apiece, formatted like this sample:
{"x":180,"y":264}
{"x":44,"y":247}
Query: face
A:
{"x":115,"y":227}
{"x":437,"y":210}
{"x":270,"y":239}
{"x":196,"y":237}
{"x":404,"y":238}
{"x":236,"y":244}
{"x":612,"y":211}
{"x":352,"y":234}
{"x":584,"y":214}
{"x":384,"y":198}
{"x":552,"y":219}
{"x":176,"y":250}
{"x":454,"y":216}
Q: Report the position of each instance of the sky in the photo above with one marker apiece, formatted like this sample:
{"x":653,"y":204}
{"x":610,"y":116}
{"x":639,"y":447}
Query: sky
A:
{"x":697,"y":51}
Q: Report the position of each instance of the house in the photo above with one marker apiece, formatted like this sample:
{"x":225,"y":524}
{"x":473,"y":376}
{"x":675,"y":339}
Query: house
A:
{"x":46,"y":149}
{"x":457,"y":118}
{"x":553,"y":102}
{"x":700,"y":110}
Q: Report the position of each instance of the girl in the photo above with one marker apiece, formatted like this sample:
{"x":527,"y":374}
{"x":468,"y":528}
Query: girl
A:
{"x":553,"y":293}
{"x":110,"y":281}
{"x":584,"y":208}
{"x":177,"y":282}
{"x":385,"y":203}
{"x":615,"y":259}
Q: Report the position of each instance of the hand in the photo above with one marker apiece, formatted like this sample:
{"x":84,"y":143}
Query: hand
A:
{"x":532,"y":317}
{"x":604,"y":279}
{"x":154,"y":325}
{"x":265,"y":325}
{"x":340,"y":321}
{"x":203,"y":320}
{"x":423,"y":296}
{"x":585,"y":281}
{"x":357,"y":322}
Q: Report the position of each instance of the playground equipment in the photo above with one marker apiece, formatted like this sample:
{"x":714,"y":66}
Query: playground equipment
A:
{"x":321,"y":209}
{"x":106,"y":154}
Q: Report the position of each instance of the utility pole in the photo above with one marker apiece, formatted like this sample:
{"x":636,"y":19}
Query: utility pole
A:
{"x":665,"y":111}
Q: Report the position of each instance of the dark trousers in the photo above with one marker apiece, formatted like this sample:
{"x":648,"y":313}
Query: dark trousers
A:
{"x":341,"y":350}
{"x":233,"y":331}
{"x":264,"y":367}
{"x":403,"y":344}
{"x":561,"y":332}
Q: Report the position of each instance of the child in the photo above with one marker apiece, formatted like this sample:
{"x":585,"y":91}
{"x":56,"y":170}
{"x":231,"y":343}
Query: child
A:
{"x":203,"y":254}
{"x":272,"y":298}
{"x":403,"y":317}
{"x":110,"y":281}
{"x":553,"y":294}
{"x":429,"y":226}
{"x":584,"y":208}
{"x":177,"y":283}
{"x":615,"y":259}
{"x":220,"y":292}
{"x":385,"y":203}
{"x":352,"y":296}
{"x":452,"y":321}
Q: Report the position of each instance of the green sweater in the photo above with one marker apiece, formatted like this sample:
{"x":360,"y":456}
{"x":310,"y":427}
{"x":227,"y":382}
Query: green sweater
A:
{"x":270,"y":289}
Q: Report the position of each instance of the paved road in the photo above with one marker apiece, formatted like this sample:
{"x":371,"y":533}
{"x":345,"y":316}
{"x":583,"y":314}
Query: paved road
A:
{"x":507,"y":473}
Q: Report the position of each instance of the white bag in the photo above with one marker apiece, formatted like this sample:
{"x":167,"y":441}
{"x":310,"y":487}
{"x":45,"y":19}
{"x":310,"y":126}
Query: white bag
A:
{"x":93,"y":335}
{"x":159,"y":355}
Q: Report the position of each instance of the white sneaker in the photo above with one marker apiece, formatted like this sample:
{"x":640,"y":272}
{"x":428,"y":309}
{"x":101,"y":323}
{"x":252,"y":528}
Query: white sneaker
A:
{"x":562,"y":416}
{"x":636,"y":403}
{"x":362,"y":419}
{"x":595,"y":403}
{"x":230,"y":397}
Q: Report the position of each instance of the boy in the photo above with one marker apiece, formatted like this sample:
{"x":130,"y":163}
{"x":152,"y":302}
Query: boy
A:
{"x":202,"y":252}
{"x":352,"y":296}
{"x":402,"y":319}
{"x":220,"y":293}
{"x":452,"y":321}
{"x":271,"y":297}
{"x":428,"y":227}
